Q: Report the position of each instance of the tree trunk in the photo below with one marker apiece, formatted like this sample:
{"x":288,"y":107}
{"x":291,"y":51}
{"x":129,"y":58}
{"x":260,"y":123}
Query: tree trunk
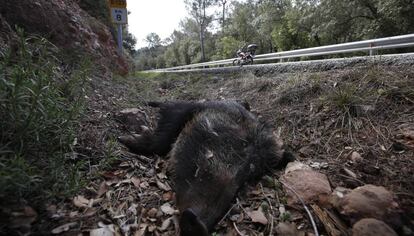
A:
{"x":203,"y":55}
{"x":223,"y":16}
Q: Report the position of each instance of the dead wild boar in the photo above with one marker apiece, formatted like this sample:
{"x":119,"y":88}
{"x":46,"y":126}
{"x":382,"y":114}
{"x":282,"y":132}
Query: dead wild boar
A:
{"x":215,"y":149}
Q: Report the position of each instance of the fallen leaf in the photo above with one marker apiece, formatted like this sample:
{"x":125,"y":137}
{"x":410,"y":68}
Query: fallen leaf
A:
{"x":113,"y":181}
{"x":161,"y":176}
{"x":166,"y":224}
{"x":94,"y":202}
{"x":73,"y":214}
{"x":167,"y":209}
{"x":101,"y":232}
{"x":163,"y":186}
{"x":81,"y":201}
{"x":125,"y":181}
{"x":282,"y":209}
{"x":64,"y":228}
{"x":258,"y":216}
{"x":144,"y":185}
{"x":133,"y":209}
{"x":103,"y":188}
{"x":108,"y":174}
{"x":90,"y":212}
{"x":350,"y":172}
{"x":135,"y":181}
{"x":235,"y":218}
{"x":152,"y":228}
{"x":142,"y":230}
{"x":126,"y":164}
{"x":23,"y":219}
{"x":120,"y":173}
{"x":296,"y":165}
{"x":119,"y":216}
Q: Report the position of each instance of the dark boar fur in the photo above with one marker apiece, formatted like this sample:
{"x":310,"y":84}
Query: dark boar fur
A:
{"x":215,"y":149}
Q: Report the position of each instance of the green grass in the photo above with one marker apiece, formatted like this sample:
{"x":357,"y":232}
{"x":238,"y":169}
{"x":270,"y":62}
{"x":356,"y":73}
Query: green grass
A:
{"x":40,"y":105}
{"x":343,"y":98}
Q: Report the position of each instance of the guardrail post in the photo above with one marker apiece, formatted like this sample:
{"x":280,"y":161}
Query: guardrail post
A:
{"x":371,"y":51}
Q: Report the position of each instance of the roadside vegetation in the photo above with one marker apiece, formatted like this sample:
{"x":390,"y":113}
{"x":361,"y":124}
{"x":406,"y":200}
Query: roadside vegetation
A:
{"x":41,"y":100}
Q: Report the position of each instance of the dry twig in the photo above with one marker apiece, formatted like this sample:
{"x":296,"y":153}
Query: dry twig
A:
{"x":315,"y":229}
{"x":237,"y":230}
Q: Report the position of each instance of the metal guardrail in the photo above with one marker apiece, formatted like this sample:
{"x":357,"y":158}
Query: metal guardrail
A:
{"x":370,"y":46}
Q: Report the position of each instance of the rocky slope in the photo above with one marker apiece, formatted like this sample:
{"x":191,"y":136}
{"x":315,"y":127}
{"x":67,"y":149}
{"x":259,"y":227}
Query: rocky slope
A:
{"x":66,"y":25}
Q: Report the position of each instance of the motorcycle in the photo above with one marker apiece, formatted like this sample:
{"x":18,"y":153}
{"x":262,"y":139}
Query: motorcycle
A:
{"x":245,"y":57}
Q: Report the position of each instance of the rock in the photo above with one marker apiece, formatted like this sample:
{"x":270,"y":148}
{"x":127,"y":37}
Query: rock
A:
{"x":296,"y":165}
{"x":372,"y":227}
{"x":356,"y":157}
{"x":135,"y":120}
{"x":368,"y":201}
{"x":404,"y":139}
{"x":310,"y":185}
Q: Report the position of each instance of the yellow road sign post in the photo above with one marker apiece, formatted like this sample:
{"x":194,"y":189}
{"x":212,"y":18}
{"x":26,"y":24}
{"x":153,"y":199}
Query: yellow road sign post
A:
{"x":119,"y":16}
{"x":117,"y":3}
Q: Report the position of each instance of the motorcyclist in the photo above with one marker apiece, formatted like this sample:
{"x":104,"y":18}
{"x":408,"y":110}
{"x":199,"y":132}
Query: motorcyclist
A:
{"x":245,"y":55}
{"x":246,"y":51}
{"x":240,"y":53}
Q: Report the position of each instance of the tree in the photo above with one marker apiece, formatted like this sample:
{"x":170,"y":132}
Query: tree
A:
{"x":197,"y":9}
{"x":268,"y":17}
{"x":222,"y":4}
{"x":153,"y":40}
{"x":276,"y":25}
{"x":241,"y":26}
{"x":129,"y":41}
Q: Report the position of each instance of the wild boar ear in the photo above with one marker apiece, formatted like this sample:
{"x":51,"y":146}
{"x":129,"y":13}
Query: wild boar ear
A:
{"x":190,"y":224}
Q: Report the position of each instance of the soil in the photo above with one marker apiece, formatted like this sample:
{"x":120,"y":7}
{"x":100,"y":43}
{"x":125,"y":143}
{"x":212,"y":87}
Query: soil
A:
{"x":355,"y":126}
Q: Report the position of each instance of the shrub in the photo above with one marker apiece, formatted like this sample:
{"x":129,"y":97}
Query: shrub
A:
{"x":40,"y":103}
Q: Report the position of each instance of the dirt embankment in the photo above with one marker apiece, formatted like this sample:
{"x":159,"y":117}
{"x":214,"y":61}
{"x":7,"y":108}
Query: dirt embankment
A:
{"x":66,"y":25}
{"x":353,"y":126}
